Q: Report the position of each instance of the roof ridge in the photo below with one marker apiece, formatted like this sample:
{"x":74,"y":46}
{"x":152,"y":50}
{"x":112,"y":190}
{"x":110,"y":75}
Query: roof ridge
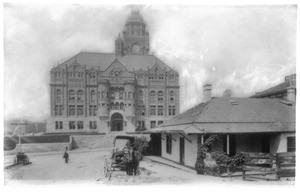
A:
{"x":267,"y":91}
{"x":68,"y":59}
{"x":93,"y":52}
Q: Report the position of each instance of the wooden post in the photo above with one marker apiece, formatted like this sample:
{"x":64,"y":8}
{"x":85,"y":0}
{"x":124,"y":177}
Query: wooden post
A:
{"x":227,"y":144}
{"x":19,"y":127}
{"x":244,"y":174}
{"x":202,"y":139}
{"x":20,"y":148}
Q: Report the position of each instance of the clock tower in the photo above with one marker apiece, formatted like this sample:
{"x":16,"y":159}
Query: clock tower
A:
{"x":135,"y":37}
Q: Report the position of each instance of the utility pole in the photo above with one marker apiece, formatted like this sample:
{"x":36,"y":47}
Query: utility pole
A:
{"x":19,"y":127}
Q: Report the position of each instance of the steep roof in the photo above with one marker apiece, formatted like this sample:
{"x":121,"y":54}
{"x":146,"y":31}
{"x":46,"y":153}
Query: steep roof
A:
{"x":104,"y":60}
{"x":237,"y":114}
{"x":276,"y":89}
{"x":135,"y":17}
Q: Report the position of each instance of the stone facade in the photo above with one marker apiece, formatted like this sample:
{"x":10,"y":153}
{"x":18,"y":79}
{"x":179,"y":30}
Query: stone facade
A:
{"x":108,"y":92}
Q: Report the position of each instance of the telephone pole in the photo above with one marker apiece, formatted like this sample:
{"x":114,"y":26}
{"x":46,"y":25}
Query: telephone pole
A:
{"x":19,"y":127}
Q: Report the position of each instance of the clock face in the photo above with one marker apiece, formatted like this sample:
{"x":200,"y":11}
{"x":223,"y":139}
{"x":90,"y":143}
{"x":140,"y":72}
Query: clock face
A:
{"x":136,"y":48}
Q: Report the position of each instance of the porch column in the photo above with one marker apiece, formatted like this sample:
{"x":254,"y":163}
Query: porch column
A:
{"x":227,"y":144}
{"x":202,"y":139}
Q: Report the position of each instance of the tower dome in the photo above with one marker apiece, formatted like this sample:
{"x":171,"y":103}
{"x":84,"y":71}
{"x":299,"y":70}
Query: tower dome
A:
{"x":135,"y":17}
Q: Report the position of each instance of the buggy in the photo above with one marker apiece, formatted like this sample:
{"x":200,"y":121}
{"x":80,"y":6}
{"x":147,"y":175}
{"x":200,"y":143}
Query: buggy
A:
{"x":21,"y":158}
{"x":117,"y":161}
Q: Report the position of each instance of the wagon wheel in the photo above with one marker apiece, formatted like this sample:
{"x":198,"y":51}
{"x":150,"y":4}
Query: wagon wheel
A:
{"x":138,"y":170}
{"x":107,"y":168}
{"x":26,"y":161}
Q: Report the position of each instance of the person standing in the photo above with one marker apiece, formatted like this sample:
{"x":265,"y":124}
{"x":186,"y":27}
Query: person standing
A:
{"x":66,"y":155}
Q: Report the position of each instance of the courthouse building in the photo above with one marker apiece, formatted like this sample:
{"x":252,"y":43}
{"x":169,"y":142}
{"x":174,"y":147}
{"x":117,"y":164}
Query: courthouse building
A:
{"x":105,"y":92}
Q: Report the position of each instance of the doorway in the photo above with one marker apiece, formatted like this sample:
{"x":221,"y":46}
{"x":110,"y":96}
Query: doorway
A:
{"x":116,"y":122}
{"x":265,"y":143}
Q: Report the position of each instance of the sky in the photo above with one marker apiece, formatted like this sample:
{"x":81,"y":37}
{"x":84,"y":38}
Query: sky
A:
{"x":242,"y":48}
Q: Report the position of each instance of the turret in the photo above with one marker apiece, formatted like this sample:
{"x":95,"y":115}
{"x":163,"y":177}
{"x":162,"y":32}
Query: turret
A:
{"x":119,"y":45}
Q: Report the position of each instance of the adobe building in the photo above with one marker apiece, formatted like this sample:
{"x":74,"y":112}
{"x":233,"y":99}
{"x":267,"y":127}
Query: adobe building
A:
{"x":111,"y":92}
{"x":242,"y":124}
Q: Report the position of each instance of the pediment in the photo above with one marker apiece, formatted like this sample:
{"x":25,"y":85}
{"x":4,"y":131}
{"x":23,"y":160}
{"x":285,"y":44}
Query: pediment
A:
{"x":116,"y":64}
{"x":75,"y":66}
{"x":156,"y":69}
{"x":117,"y":69}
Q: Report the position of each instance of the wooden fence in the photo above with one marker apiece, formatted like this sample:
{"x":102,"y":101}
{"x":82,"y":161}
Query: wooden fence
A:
{"x":262,"y":164}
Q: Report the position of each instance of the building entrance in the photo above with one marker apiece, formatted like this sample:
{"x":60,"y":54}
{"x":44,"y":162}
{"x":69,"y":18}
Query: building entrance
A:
{"x":116,"y":122}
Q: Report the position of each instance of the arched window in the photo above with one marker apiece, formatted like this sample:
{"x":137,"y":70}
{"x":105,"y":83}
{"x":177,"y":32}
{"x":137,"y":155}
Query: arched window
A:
{"x":58,"y":95}
{"x":121,"y":105}
{"x":152,"y":95}
{"x":140,"y":95}
{"x":93,"y":96}
{"x":79,"y":96}
{"x":71,"y":96}
{"x":117,"y":105}
{"x":112,"y":106}
{"x":160,"y":96}
{"x":172,"y":96}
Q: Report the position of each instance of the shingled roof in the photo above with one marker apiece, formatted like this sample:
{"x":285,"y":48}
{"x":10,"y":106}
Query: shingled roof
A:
{"x":104,"y":60}
{"x":224,"y":115}
{"x":276,"y":89}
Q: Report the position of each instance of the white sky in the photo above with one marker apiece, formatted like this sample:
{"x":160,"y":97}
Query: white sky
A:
{"x":243,"y":48}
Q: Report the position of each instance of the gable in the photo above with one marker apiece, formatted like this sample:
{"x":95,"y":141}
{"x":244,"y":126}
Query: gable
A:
{"x":117,"y":69}
{"x":75,"y":66}
{"x":104,"y":61}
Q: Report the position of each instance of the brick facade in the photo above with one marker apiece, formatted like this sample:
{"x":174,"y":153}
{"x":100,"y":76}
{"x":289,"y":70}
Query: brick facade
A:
{"x":121,"y":91}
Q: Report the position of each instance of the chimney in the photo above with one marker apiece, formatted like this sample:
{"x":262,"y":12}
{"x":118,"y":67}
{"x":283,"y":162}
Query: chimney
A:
{"x":206,"y":92}
{"x":291,"y":93}
{"x":291,"y":89}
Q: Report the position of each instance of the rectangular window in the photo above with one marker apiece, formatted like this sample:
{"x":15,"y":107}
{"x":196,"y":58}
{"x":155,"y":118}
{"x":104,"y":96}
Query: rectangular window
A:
{"x":72,"y":110}
{"x":58,"y":125}
{"x":121,"y":95}
{"x":80,"y":110}
{"x":58,"y":110}
{"x":152,"y":110}
{"x":160,"y":122}
{"x":160,"y":110}
{"x":79,"y":124}
{"x":130,"y":95}
{"x":93,"y":110}
{"x":93,"y":124}
{"x":71,"y":124}
{"x":291,"y":144}
{"x":152,"y":124}
{"x":143,"y":112}
{"x":168,"y":144}
{"x":172,"y":110}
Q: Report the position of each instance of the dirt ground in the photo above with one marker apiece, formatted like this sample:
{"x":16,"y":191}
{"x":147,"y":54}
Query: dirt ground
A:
{"x":87,"y":167}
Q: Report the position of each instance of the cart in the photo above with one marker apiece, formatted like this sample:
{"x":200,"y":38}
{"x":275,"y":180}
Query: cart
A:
{"x":21,"y":158}
{"x":116,"y":161}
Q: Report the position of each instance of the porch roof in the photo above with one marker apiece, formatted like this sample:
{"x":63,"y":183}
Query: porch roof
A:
{"x":201,"y":128}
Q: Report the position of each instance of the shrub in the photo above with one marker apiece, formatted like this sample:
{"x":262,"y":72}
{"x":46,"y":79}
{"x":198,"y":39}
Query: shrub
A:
{"x":140,"y":144}
{"x":220,"y":157}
